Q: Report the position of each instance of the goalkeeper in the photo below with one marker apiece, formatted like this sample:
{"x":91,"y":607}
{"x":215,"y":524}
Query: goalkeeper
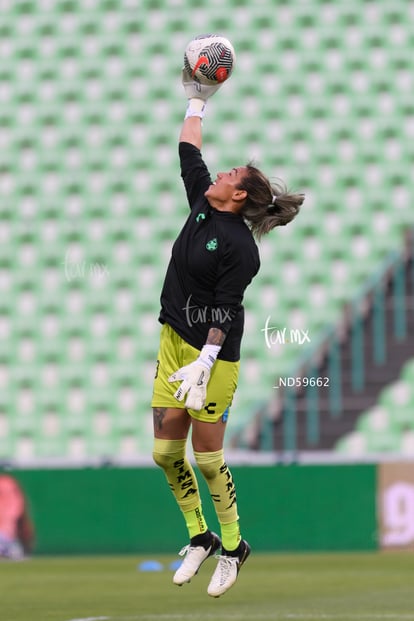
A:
{"x":213,"y":260}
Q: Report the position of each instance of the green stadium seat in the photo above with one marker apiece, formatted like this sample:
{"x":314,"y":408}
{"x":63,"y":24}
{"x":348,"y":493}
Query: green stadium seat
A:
{"x":387,"y":427}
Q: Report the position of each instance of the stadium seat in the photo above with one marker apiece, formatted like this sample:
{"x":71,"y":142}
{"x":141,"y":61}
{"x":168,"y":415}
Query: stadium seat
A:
{"x":388,"y":426}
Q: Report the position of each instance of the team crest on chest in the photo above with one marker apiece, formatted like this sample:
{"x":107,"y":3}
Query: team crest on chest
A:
{"x":212,"y":244}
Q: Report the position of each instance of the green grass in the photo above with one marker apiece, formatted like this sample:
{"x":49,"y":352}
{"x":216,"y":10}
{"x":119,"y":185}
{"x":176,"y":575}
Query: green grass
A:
{"x":314,"y":587}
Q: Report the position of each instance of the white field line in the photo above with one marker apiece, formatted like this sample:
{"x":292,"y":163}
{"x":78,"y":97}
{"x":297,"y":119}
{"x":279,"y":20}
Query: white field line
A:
{"x":93,"y":619}
{"x":240,"y":616}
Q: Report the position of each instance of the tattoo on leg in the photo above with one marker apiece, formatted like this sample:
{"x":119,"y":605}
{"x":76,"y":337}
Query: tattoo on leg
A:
{"x":158,"y":416}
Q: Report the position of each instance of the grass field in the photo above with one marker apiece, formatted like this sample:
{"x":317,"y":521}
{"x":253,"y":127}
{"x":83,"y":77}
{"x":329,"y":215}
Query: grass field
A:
{"x":314,"y":587}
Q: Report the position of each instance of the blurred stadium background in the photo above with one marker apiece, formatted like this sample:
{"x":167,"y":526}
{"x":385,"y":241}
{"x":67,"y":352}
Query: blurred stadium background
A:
{"x":91,"y":201}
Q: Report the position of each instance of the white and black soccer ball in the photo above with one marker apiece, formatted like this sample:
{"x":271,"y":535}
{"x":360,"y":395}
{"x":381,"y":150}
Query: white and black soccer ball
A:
{"x":209,"y":59}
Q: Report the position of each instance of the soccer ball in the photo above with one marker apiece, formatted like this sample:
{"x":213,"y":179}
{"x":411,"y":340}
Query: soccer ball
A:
{"x":209,"y":59}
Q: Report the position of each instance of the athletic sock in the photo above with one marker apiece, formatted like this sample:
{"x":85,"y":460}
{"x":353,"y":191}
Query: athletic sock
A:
{"x":236,"y":552}
{"x":170,"y":456}
{"x":223,"y":493}
{"x":196,"y":524}
{"x":230,"y":536}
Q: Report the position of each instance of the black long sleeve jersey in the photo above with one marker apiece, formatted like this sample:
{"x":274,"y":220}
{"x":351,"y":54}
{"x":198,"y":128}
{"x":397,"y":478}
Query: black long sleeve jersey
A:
{"x":213,"y":260}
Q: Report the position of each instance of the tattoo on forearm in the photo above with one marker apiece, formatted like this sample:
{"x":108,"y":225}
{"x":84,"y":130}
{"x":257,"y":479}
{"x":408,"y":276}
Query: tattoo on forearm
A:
{"x":215,"y":337}
{"x":158,"y":416}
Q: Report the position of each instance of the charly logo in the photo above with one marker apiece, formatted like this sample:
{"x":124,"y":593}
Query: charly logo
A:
{"x":212,"y":244}
{"x":200,"y":216}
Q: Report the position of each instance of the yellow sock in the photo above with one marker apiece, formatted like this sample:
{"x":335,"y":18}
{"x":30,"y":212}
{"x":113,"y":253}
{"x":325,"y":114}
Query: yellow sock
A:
{"x":170,"y":456}
{"x":195,"y":521}
{"x":230,"y":535}
{"x":223,"y":493}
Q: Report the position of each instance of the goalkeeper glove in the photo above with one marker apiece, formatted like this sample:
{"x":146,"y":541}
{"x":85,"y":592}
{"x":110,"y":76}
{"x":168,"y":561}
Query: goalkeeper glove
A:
{"x":195,"y":90}
{"x":195,"y":377}
{"x":197,"y":94}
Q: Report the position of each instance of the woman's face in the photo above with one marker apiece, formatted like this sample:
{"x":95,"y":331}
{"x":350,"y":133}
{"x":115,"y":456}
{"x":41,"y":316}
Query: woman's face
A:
{"x":11,"y":499}
{"x":224,"y":188}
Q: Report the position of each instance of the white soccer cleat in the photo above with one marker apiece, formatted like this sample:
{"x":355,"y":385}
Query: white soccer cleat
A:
{"x":195,"y":555}
{"x":227,"y":570}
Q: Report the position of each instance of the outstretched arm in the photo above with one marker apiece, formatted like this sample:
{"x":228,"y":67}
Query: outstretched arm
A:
{"x":191,"y":131}
{"x":197,"y":95}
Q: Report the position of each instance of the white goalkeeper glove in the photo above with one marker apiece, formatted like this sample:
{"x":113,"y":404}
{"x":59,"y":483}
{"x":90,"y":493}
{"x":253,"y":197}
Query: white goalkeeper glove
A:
{"x":195,"y":90}
{"x":194,"y":378}
{"x":197,"y":94}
